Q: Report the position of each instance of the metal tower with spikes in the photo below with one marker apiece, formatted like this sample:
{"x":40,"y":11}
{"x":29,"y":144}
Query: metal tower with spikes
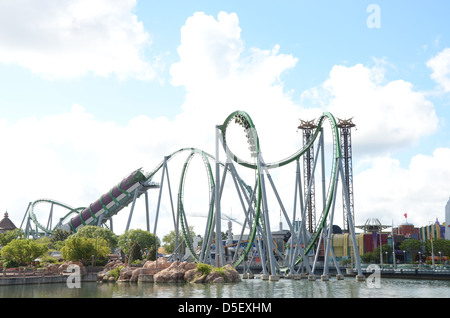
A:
{"x":345,"y":126}
{"x":308,"y":128}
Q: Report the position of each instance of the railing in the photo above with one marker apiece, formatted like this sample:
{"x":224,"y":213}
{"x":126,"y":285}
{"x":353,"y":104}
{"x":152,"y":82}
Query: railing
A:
{"x":28,"y":272}
{"x":424,"y":270}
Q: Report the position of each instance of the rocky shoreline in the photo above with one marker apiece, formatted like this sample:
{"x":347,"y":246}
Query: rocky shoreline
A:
{"x":163,"y":271}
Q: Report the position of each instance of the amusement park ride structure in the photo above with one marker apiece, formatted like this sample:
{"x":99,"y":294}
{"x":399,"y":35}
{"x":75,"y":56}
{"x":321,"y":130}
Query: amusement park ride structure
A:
{"x":306,"y":232}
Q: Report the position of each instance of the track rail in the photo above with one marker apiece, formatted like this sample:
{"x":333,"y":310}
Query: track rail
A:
{"x":243,"y":119}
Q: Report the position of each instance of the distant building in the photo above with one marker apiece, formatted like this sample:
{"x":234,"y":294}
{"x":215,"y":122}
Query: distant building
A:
{"x":434,"y":230}
{"x":447,"y":221}
{"x":408,"y":230}
{"x":6,"y":224}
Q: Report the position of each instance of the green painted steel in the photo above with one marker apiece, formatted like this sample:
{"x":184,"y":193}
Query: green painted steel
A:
{"x":65,"y":217}
{"x":243,"y":119}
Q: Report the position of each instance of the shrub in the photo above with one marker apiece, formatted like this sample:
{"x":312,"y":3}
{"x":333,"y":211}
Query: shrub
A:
{"x":115,"y":272}
{"x":82,"y":249}
{"x":23,"y":251}
{"x":205,"y":269}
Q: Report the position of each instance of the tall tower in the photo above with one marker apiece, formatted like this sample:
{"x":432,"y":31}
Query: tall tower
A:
{"x":308,"y":128}
{"x":345,"y":126}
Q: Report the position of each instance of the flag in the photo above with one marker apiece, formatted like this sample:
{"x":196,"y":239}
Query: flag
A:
{"x":406,"y":215}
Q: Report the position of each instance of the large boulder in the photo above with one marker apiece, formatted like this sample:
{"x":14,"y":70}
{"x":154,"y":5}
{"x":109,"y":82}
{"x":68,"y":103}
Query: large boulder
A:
{"x":226,"y":274}
{"x":172,"y":274}
{"x":164,"y":271}
{"x":125,"y":274}
{"x":64,"y":267}
{"x":155,"y":266}
{"x":230,"y":274}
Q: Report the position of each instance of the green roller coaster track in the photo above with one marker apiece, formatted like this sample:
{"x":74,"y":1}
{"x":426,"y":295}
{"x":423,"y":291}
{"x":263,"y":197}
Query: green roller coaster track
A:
{"x":243,"y":119}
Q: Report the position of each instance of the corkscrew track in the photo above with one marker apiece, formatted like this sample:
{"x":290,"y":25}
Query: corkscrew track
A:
{"x":138,"y":182}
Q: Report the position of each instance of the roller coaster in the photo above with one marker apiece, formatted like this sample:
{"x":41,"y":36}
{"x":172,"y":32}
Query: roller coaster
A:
{"x":300,"y":249}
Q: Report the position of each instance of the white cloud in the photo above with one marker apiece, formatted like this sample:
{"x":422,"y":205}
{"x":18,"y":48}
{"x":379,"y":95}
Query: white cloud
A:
{"x":388,"y":114}
{"x":440,"y":65}
{"x":74,"y":157}
{"x":69,"y":38}
{"x":220,"y":76}
{"x":387,"y":191}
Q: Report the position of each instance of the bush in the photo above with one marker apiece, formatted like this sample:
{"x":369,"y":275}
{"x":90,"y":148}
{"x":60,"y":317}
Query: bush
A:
{"x":23,"y":251}
{"x":135,"y":252}
{"x":205,"y":269}
{"x":115,"y":272}
{"x":82,"y":249}
{"x":9,"y":263}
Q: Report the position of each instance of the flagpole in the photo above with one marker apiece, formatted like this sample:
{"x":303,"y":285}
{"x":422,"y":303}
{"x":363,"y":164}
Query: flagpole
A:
{"x":393,"y":246}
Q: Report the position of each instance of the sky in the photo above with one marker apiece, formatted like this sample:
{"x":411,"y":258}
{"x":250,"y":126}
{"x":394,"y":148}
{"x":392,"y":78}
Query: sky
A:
{"x":92,"y":90}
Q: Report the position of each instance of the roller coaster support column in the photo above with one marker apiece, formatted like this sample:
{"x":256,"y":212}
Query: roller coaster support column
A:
{"x":267,"y":230}
{"x":359,"y":276}
{"x":132,"y":208}
{"x":27,"y":226}
{"x":329,"y":232}
{"x":219,"y":252}
{"x":293,"y":239}
{"x":160,"y":193}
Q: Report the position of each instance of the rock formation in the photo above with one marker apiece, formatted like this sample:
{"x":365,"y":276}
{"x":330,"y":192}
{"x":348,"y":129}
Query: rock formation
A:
{"x":164,"y":271}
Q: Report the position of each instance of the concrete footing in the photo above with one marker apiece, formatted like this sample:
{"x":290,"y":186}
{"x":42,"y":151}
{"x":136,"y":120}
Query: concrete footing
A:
{"x":274,"y":278}
{"x":145,"y":278}
{"x":360,"y":278}
{"x":248,"y":276}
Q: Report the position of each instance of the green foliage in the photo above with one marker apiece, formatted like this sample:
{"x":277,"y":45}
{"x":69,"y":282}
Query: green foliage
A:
{"x":220,"y":271}
{"x":9,"y":263}
{"x":205,"y":269}
{"x":144,"y":238}
{"x":411,"y":245}
{"x":346,"y":261}
{"x":59,"y":235}
{"x":169,"y":240}
{"x":115,"y":272}
{"x":23,"y":251}
{"x":82,"y":249}
{"x":374,"y":257}
{"x":151,"y":254}
{"x":439,"y":245}
{"x":91,"y":231}
{"x":7,"y":237}
{"x":135,"y":252}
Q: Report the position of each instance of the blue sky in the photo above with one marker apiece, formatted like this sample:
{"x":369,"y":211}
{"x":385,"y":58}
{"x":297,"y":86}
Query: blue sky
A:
{"x":140,"y":70}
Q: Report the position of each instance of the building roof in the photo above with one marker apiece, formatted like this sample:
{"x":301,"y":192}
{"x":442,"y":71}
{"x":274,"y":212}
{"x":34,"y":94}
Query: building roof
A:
{"x":6,"y":224}
{"x":372,"y":225}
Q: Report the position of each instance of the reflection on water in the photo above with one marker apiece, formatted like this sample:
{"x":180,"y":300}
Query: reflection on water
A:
{"x":253,"y":288}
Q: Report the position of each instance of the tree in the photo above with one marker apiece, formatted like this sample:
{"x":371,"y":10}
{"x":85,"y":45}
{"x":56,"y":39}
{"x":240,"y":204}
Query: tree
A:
{"x":145,"y":240}
{"x":412,"y":246}
{"x":135,"y":252}
{"x":83,"y":248}
{"x":59,"y":235}
{"x":384,"y":248}
{"x":23,"y":251}
{"x":169,"y":240}
{"x":439,"y":245}
{"x":7,"y":237}
{"x":91,"y":231}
